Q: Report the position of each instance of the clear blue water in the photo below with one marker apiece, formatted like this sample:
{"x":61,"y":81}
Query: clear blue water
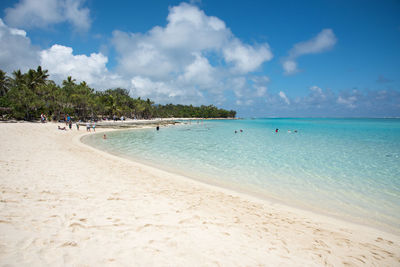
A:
{"x":349,"y":168}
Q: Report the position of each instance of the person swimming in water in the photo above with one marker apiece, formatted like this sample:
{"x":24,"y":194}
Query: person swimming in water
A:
{"x":276,"y":130}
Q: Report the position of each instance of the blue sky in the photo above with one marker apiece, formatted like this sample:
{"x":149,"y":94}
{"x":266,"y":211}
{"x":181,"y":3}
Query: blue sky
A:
{"x":261,"y":58}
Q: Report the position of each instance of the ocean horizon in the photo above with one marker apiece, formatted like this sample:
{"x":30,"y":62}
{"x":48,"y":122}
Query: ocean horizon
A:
{"x":342,"y":167}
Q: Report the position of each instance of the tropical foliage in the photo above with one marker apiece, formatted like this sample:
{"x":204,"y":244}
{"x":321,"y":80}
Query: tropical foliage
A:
{"x":25,"y":96}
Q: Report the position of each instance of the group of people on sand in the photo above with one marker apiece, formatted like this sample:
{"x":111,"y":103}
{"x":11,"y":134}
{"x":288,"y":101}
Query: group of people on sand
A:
{"x":90,"y":125}
{"x":68,"y":123}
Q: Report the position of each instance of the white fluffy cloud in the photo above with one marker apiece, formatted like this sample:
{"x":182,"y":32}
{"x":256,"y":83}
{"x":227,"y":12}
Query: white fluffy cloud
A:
{"x":246,"y":58}
{"x":193,"y":54}
{"x":199,"y":73}
{"x":16,"y":50}
{"x":145,"y":87}
{"x":324,"y":41}
{"x":61,"y":62}
{"x":164,"y":92}
{"x":167,"y":51}
{"x":41,"y":13}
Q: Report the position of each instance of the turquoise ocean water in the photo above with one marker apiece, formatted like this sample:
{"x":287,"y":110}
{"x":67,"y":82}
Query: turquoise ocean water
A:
{"x":347,"y":168}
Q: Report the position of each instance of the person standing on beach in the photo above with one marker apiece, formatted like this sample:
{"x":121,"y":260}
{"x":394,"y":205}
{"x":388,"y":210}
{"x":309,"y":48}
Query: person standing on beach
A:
{"x":87,"y":126}
{"x":77,"y":125}
{"x":70,"y":124}
{"x":94,"y":126}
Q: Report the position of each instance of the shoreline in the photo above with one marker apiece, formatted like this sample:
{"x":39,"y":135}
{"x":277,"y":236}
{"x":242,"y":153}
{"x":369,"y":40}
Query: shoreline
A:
{"x":251,"y":192}
{"x":173,"y":218}
{"x":254,"y":192}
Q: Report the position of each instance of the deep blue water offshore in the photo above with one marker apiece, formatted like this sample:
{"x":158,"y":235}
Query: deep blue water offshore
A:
{"x":348,"y":168}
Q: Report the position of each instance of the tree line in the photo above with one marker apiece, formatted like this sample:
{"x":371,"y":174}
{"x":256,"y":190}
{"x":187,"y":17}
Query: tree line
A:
{"x":25,"y":96}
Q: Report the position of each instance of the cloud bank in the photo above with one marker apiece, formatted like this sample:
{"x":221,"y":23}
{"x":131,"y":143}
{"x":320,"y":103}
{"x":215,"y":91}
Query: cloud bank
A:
{"x":325,"y":102}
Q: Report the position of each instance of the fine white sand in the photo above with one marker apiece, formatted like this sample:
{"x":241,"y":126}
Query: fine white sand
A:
{"x":64,"y":203}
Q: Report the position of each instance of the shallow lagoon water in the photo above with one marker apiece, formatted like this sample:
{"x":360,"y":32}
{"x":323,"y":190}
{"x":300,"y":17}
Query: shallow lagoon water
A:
{"x":349,"y":168}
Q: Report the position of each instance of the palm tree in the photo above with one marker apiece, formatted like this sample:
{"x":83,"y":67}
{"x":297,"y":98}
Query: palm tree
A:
{"x":5,"y":83}
{"x":37,"y":77}
{"x":69,"y":81}
{"x":42,"y":75}
{"x":69,"y":85}
{"x":18,"y":78}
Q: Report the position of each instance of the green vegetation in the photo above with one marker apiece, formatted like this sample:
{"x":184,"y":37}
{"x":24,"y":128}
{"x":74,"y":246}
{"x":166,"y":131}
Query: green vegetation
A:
{"x":25,"y":96}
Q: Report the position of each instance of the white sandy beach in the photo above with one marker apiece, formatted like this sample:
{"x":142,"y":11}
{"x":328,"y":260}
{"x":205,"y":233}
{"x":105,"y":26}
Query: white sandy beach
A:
{"x":64,"y":203}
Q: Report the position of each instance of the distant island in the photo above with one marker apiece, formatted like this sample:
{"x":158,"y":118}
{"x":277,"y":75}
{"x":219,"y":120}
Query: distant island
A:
{"x":25,"y":96}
